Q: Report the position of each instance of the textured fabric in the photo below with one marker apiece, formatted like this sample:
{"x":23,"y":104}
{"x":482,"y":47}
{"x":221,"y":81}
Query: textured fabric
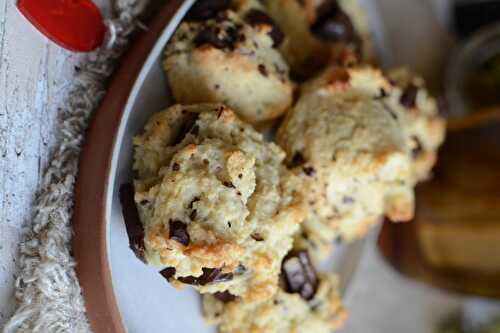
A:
{"x":47,"y":288}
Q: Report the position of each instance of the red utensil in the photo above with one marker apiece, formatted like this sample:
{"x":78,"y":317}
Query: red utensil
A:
{"x":76,"y":25}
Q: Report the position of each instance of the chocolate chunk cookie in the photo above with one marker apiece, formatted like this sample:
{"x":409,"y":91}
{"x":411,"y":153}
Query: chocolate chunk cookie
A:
{"x":231,"y":60}
{"x":218,"y":206}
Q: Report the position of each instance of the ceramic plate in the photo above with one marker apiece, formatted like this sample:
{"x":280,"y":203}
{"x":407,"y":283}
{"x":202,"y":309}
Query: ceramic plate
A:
{"x":121,"y":293}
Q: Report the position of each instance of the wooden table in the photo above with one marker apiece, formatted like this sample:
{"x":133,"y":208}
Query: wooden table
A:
{"x":34,"y":74}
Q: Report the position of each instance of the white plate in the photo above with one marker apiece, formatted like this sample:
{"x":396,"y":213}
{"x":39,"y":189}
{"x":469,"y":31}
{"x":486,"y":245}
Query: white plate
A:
{"x":146,"y":302}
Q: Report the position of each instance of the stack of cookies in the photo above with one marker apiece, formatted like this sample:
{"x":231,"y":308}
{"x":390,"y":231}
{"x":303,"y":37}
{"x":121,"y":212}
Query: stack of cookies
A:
{"x":245,"y":220}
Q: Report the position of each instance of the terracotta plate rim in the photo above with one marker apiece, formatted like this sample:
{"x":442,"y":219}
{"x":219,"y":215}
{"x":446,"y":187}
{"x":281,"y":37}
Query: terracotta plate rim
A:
{"x":98,"y":163}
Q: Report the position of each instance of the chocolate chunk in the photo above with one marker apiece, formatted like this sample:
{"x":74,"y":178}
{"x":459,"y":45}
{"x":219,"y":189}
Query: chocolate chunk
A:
{"x":240,"y":269}
{"x":297,"y":160}
{"x":256,"y":17}
{"x":299,"y":275}
{"x":209,"y":36}
{"x":203,"y":10}
{"x":176,"y":167}
{"x":133,"y":224}
{"x":409,"y":96}
{"x":225,"y":296}
{"x":168,"y":273}
{"x":185,"y":127}
{"x":333,"y":24}
{"x":210,"y":275}
{"x":309,"y":171}
{"x":178,"y":232}
{"x":257,"y":237}
{"x":418,"y":149}
{"x":263,"y":70}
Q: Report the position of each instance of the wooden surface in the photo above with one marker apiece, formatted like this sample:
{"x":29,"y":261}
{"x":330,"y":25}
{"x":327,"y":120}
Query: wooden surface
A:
{"x":33,"y":76}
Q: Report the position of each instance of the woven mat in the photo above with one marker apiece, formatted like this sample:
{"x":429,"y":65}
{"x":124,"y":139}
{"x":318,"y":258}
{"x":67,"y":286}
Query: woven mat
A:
{"x":47,"y":289}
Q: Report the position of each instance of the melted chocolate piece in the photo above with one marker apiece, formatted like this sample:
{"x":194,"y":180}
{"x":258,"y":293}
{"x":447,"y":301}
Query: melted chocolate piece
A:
{"x":309,"y":171}
{"x":299,"y":275}
{"x":257,"y":237}
{"x":209,"y":36}
{"x":203,"y":10}
{"x":263,"y":70}
{"x":333,"y":24}
{"x":409,"y":96}
{"x":133,"y":224}
{"x":256,"y":17}
{"x":210,"y":275}
{"x":225,"y":296}
{"x":178,"y":232}
{"x":168,"y":273}
{"x":418,"y":148}
{"x":213,"y":36}
{"x":297,"y":160}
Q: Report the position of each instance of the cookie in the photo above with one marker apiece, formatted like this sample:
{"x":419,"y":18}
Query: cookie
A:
{"x":219,"y":208}
{"x":288,"y":310}
{"x":226,"y":60}
{"x":321,"y":32}
{"x":351,"y":154}
{"x":420,"y":118}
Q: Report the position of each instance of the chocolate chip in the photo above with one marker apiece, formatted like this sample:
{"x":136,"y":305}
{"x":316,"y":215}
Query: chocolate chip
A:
{"x":309,"y":171}
{"x":225,"y":296}
{"x":192,"y":216}
{"x":299,"y":275}
{"x":178,"y":232}
{"x":205,"y":9}
{"x":333,"y":24}
{"x":390,"y":111}
{"x":263,"y":70}
{"x":133,"y":224}
{"x":383,"y":93}
{"x":240,"y":176}
{"x":347,"y":200}
{"x":176,"y":167}
{"x":409,"y":96}
{"x":418,"y":149}
{"x":210,"y":275}
{"x":240,"y":269}
{"x":297,"y":160}
{"x":168,"y":273}
{"x":255,"y":17}
{"x":228,"y":184}
{"x":257,"y":237}
{"x":196,"y":199}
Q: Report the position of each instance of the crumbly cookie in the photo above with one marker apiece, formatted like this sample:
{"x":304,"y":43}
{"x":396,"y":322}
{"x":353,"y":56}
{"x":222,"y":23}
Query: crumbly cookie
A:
{"x":225,"y":60}
{"x":351,"y":153}
{"x":320,"y":32}
{"x":286,"y":312}
{"x":218,"y":206}
{"x":420,"y":118}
